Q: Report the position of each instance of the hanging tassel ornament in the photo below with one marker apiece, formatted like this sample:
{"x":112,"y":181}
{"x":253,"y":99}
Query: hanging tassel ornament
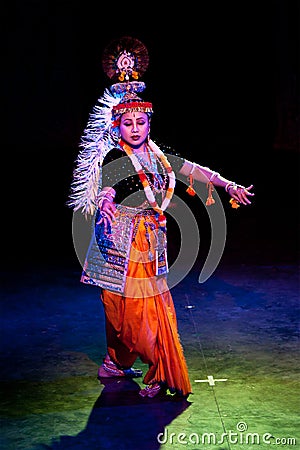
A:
{"x":190,"y":190}
{"x":210,"y":200}
{"x":234,"y":203}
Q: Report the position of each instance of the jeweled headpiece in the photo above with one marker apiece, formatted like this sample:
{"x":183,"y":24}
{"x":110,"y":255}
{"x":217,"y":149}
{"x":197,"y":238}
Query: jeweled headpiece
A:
{"x":124,"y":61}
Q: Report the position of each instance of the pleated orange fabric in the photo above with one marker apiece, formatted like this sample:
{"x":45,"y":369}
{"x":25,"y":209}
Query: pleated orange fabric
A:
{"x":142,"y":322}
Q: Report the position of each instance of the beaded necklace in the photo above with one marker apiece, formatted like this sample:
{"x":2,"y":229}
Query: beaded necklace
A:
{"x":159,"y":181}
{"x":144,"y":179}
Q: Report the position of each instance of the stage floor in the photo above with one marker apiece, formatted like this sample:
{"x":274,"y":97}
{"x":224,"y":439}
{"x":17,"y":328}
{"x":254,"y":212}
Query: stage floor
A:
{"x":240,"y":333}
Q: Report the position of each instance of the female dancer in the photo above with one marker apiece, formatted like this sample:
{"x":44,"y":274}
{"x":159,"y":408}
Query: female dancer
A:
{"x":137,"y":185}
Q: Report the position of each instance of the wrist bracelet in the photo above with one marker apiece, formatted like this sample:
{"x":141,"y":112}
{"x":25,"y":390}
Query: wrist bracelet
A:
{"x":104,"y":195}
{"x":229,"y":185}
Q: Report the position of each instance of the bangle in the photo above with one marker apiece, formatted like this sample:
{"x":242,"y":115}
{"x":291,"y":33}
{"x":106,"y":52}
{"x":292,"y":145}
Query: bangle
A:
{"x":104,"y":195}
{"x":230,"y":185}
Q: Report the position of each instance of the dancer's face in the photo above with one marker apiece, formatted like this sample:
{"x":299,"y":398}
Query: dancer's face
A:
{"x":134,"y":128}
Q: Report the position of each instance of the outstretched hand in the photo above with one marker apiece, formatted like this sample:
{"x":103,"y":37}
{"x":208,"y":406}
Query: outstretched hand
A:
{"x":241,"y":193}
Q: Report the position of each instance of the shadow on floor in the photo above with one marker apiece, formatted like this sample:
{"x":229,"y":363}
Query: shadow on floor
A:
{"x":119,"y":406}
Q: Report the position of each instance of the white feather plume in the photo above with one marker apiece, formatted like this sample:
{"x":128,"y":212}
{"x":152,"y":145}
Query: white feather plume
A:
{"x":95,"y":144}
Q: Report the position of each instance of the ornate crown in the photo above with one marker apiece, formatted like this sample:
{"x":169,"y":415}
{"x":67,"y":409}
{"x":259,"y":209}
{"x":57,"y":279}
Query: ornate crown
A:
{"x":125,"y":60}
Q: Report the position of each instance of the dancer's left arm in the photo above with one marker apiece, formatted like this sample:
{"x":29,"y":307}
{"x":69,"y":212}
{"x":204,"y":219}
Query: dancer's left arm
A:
{"x":206,"y":175}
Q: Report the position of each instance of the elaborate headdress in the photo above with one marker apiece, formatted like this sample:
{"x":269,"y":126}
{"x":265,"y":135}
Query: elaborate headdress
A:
{"x":124,"y":61}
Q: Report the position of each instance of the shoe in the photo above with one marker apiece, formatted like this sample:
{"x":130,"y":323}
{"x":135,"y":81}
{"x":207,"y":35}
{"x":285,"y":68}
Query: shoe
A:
{"x":150,"y":391}
{"x":108,"y":369}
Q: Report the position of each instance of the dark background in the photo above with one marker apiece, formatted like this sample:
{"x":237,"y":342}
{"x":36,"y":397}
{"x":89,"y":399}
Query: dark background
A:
{"x":224,"y":81}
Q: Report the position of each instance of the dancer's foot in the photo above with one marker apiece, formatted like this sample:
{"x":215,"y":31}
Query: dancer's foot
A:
{"x":150,"y":391}
{"x":108,"y":369}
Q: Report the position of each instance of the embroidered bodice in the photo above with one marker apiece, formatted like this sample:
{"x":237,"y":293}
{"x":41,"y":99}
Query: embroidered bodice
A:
{"x":118,"y":172}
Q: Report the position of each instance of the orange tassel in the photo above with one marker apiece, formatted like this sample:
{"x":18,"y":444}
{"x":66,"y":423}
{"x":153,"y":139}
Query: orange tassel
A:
{"x":210,"y":200}
{"x":234,"y":203}
{"x":190,"y":190}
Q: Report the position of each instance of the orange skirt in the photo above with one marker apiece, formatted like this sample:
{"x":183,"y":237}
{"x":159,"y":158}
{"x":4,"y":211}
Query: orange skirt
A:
{"x":142,"y":322}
